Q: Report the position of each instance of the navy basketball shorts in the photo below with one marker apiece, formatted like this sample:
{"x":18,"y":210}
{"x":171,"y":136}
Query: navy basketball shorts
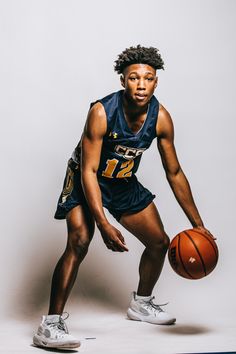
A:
{"x":119,"y":196}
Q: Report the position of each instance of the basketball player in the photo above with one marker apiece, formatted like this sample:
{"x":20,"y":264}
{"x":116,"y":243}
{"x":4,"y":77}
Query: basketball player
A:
{"x":101,"y":173}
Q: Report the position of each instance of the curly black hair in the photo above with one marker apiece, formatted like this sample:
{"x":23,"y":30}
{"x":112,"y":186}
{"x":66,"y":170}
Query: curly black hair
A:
{"x":139,"y":55}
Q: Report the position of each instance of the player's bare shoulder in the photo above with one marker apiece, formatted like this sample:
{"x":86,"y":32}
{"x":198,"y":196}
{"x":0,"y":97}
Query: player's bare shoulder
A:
{"x":96,"y":123}
{"x":164,"y":125}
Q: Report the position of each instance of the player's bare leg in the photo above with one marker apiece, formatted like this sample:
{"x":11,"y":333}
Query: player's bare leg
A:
{"x":146,"y":225}
{"x":80,"y":225}
{"x":52,"y":332}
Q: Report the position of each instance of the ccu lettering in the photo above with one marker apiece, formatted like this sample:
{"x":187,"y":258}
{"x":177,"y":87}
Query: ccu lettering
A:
{"x":127,"y":152}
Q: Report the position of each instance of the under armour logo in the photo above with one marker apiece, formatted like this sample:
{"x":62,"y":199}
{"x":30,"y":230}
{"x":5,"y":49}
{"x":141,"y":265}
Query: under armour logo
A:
{"x":114,"y":135}
{"x":192,"y":260}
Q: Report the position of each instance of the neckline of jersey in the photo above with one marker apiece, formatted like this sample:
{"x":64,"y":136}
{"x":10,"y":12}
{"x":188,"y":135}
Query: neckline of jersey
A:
{"x":123,"y":116}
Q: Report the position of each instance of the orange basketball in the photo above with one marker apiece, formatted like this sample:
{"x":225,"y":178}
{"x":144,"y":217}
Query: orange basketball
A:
{"x":193,"y":254}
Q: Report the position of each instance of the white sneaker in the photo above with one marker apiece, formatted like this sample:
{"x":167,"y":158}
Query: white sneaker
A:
{"x":147,"y":311}
{"x":53,"y":333}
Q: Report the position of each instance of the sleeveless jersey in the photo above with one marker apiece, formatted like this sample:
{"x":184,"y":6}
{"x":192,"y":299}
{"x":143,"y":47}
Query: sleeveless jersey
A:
{"x":122,"y":149}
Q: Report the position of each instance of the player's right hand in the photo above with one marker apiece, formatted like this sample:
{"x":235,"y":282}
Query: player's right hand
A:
{"x":206,"y":231}
{"x":113,"y":238}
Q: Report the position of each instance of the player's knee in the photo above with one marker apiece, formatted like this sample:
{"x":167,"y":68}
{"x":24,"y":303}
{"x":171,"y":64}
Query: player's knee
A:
{"x":166,"y":241}
{"x":160,"y":244}
{"x":79,"y":241}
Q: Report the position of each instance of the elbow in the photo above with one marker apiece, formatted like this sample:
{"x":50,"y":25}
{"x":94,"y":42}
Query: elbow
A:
{"x":88,"y":171}
{"x":88,"y":177}
{"x":173,"y":174}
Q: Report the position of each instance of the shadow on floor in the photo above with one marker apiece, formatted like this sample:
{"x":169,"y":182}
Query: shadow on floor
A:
{"x":186,"y":329}
{"x":209,"y":353}
{"x":52,"y":350}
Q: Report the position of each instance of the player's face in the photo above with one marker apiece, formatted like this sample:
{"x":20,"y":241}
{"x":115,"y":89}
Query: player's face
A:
{"x":139,"y":82}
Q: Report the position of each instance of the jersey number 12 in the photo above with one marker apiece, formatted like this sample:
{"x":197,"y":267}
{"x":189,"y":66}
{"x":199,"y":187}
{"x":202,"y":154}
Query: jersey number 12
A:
{"x":125,"y":170}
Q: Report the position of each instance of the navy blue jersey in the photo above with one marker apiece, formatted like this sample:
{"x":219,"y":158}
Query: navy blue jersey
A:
{"x":122,"y":149}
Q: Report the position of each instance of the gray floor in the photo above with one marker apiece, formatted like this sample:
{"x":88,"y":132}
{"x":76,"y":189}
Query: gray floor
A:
{"x":105,"y":330}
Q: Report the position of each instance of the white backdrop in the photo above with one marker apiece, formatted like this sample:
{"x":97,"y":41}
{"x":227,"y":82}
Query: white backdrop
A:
{"x":56,"y":57}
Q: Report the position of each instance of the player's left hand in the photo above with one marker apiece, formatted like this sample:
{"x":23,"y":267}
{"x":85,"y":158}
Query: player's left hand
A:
{"x":113,"y":238}
{"x":205,"y":231}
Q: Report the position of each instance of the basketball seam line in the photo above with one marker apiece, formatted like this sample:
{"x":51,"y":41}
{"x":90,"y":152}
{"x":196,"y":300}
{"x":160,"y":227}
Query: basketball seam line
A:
{"x":182,"y":259}
{"x":203,"y":264}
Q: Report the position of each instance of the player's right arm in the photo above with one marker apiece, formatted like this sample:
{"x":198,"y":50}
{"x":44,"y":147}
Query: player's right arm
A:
{"x":92,"y":139}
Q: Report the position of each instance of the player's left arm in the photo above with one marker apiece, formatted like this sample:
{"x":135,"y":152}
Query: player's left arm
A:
{"x":174,"y":173}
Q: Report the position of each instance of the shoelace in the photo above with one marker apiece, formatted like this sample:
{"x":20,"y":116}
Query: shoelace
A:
{"x":150,"y":305}
{"x":59,"y":328}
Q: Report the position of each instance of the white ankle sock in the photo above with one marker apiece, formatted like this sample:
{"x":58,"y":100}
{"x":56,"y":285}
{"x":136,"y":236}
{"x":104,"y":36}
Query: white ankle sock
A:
{"x":143,"y":298}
